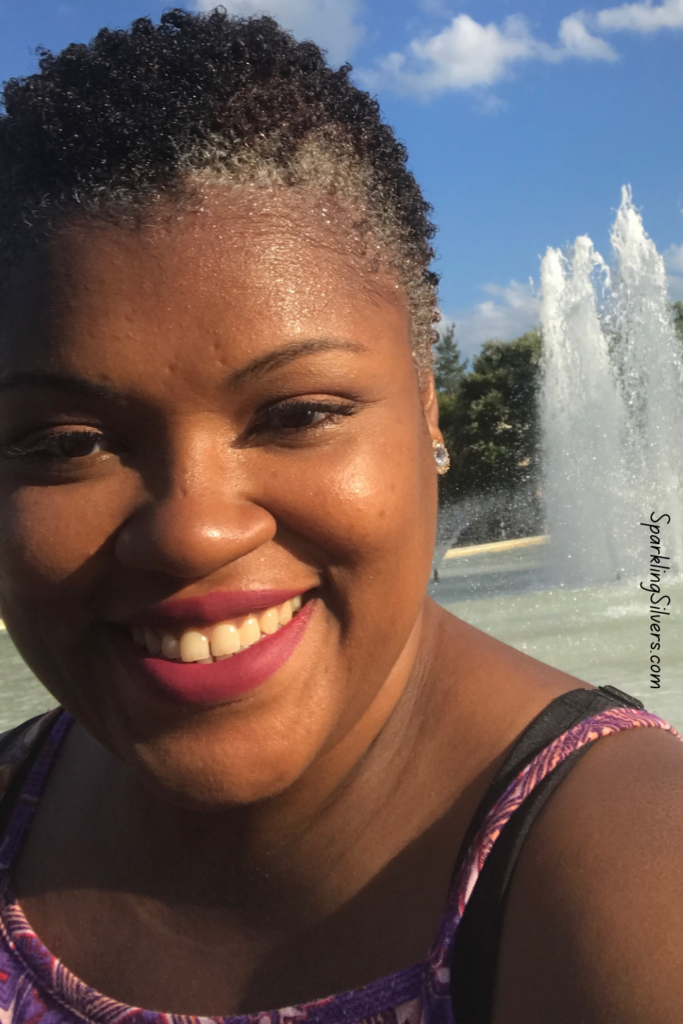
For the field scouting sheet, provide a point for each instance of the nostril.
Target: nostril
(192, 537)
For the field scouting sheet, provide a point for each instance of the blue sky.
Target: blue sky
(523, 118)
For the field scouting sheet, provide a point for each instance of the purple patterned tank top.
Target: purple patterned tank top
(36, 988)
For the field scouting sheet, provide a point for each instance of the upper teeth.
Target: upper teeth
(219, 641)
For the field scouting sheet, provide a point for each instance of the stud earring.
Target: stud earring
(441, 457)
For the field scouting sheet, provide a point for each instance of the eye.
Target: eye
(302, 415)
(61, 445)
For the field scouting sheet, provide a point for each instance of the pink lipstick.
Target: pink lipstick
(228, 679)
(210, 608)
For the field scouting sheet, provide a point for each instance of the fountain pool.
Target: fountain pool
(597, 633)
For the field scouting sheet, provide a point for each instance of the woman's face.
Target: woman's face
(220, 407)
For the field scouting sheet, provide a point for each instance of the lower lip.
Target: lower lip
(227, 680)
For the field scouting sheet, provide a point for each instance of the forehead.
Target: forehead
(237, 268)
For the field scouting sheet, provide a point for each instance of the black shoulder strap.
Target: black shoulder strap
(475, 947)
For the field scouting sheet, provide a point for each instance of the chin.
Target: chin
(209, 766)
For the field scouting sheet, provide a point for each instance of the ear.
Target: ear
(430, 404)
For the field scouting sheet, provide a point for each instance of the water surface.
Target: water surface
(600, 634)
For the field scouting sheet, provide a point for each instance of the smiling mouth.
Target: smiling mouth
(219, 641)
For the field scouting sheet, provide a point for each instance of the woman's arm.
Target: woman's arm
(593, 931)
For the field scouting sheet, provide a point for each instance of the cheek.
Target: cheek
(379, 498)
(363, 502)
(51, 537)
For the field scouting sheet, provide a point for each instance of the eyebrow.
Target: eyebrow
(258, 367)
(56, 381)
(280, 357)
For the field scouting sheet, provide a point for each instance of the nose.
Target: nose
(193, 530)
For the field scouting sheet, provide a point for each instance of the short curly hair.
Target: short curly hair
(137, 116)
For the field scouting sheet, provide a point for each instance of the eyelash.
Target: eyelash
(330, 410)
(45, 445)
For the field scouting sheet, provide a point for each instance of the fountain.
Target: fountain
(612, 418)
(611, 406)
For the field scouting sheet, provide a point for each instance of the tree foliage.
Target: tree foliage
(490, 419)
(677, 310)
(450, 367)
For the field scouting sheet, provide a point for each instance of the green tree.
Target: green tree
(491, 422)
(450, 367)
(677, 310)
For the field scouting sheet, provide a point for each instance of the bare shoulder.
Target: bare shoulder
(594, 924)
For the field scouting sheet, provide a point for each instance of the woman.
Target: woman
(218, 486)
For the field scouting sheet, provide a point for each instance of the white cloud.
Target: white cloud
(673, 258)
(510, 312)
(332, 24)
(577, 41)
(641, 17)
(466, 55)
